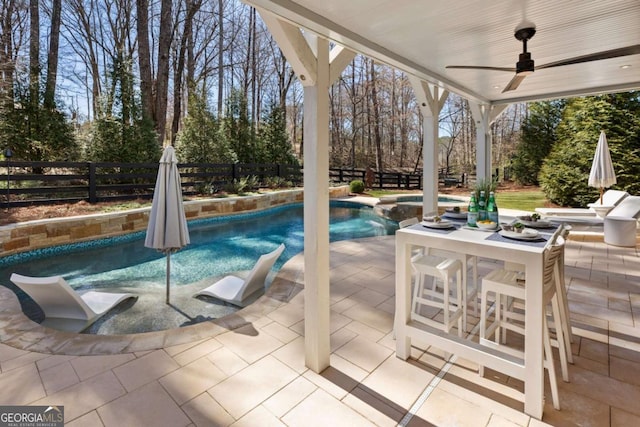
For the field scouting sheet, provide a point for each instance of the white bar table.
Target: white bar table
(481, 244)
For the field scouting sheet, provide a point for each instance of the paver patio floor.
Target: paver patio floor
(250, 371)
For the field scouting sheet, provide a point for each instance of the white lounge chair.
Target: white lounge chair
(65, 309)
(621, 225)
(236, 290)
(610, 199)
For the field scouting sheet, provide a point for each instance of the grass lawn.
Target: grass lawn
(524, 199)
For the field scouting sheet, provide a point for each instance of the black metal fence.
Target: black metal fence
(39, 183)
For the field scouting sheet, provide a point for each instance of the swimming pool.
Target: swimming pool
(219, 246)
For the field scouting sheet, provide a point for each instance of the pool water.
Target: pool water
(219, 246)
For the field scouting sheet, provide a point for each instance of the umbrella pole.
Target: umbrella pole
(601, 191)
(168, 273)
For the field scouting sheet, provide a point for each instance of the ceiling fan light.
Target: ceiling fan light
(625, 66)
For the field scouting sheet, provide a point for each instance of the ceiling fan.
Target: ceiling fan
(525, 64)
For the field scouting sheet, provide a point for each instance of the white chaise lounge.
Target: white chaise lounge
(238, 291)
(610, 199)
(621, 224)
(65, 309)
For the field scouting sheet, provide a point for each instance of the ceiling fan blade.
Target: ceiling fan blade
(515, 82)
(607, 54)
(473, 67)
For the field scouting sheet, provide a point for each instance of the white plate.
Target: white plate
(541, 223)
(527, 234)
(455, 215)
(441, 224)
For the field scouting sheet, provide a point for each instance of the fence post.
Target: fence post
(93, 196)
(234, 172)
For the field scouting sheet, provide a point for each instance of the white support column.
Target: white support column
(316, 215)
(431, 101)
(317, 67)
(484, 115)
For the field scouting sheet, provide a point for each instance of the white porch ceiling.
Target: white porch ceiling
(422, 37)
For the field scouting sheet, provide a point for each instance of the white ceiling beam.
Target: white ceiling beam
(339, 58)
(294, 46)
(426, 96)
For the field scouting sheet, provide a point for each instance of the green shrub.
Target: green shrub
(357, 186)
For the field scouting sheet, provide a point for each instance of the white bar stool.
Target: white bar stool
(508, 286)
(452, 305)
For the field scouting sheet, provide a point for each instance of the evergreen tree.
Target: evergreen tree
(236, 128)
(538, 135)
(275, 146)
(36, 133)
(564, 175)
(200, 140)
(123, 134)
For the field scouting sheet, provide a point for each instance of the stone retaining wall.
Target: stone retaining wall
(26, 236)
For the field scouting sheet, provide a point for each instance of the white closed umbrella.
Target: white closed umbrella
(602, 174)
(167, 230)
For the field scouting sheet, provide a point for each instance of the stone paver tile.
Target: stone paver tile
(624, 370)
(620, 418)
(364, 353)
(149, 405)
(21, 386)
(399, 381)
(292, 355)
(259, 416)
(369, 297)
(7, 352)
(462, 382)
(602, 313)
(21, 360)
(227, 361)
(344, 304)
(347, 368)
(498, 421)
(282, 333)
(58, 377)
(53, 361)
(92, 419)
(371, 316)
(321, 409)
(374, 407)
(88, 366)
(337, 321)
(265, 377)
(620, 304)
(340, 338)
(443, 408)
(365, 331)
(289, 396)
(197, 351)
(189, 381)
(602, 389)
(287, 315)
(576, 410)
(141, 371)
(204, 411)
(594, 350)
(248, 343)
(176, 349)
(86, 396)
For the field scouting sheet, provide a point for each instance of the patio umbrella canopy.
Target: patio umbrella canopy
(602, 174)
(167, 229)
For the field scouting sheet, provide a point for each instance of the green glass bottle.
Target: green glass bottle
(492, 208)
(482, 207)
(472, 215)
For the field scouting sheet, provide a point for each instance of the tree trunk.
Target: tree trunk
(220, 56)
(7, 62)
(162, 80)
(52, 57)
(376, 118)
(144, 59)
(34, 53)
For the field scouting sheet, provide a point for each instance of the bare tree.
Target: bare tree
(52, 55)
